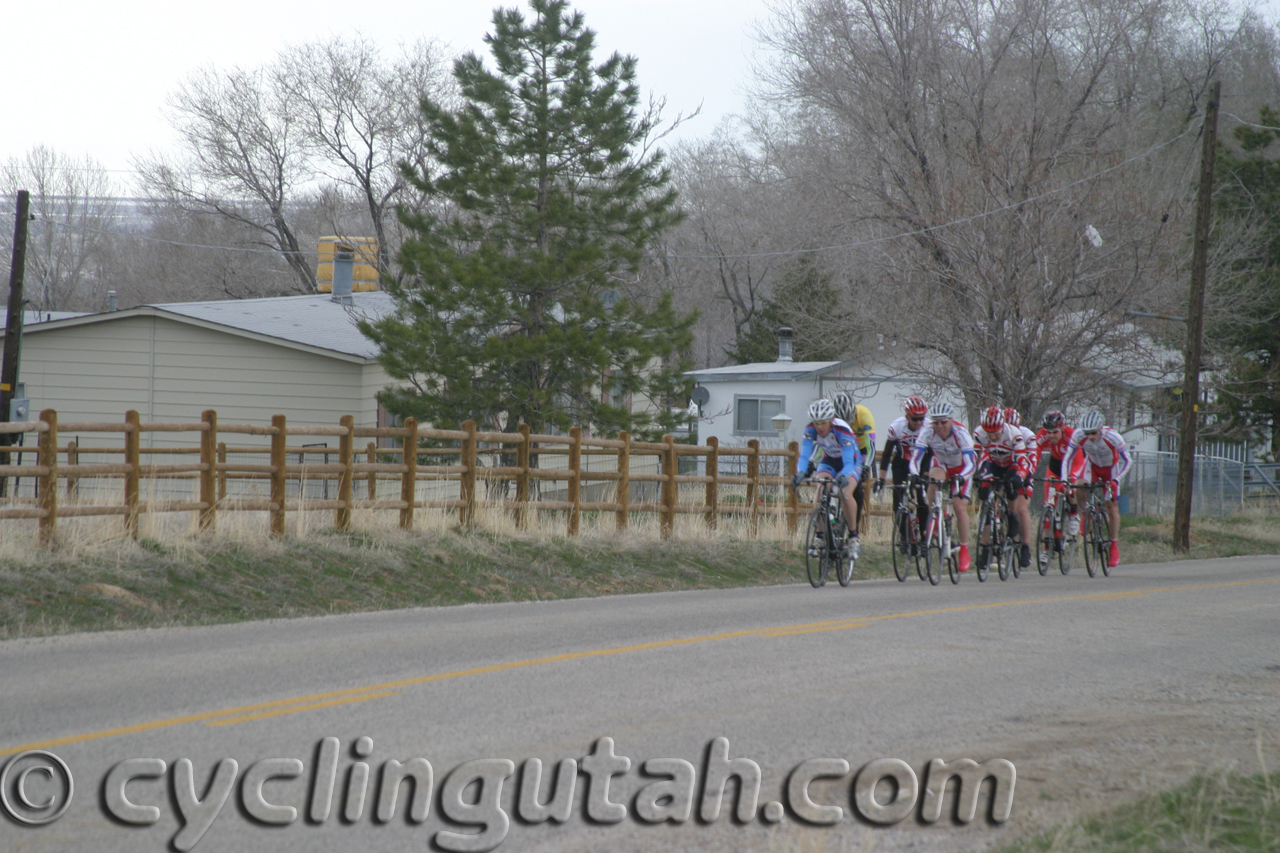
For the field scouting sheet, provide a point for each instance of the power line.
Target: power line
(954, 222)
(786, 253)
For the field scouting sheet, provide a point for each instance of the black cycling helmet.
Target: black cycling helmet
(1053, 419)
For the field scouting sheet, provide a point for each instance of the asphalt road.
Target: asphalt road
(1094, 689)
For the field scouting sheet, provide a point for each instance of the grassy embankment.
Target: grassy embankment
(1224, 812)
(99, 581)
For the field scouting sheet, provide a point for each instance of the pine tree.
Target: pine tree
(1249, 189)
(540, 199)
(804, 294)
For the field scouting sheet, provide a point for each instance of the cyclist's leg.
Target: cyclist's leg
(850, 499)
(825, 471)
(984, 478)
(960, 507)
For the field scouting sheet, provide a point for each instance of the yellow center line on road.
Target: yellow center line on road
(313, 706)
(319, 700)
(791, 632)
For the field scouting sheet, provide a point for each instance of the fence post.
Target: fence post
(132, 443)
(47, 457)
(342, 517)
(73, 457)
(278, 462)
(222, 474)
(372, 450)
(523, 455)
(575, 477)
(670, 467)
(793, 495)
(409, 482)
(713, 485)
(467, 480)
(753, 486)
(622, 497)
(209, 474)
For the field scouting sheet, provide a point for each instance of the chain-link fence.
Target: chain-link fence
(1220, 486)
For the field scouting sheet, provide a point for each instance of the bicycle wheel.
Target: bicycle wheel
(987, 531)
(844, 566)
(1090, 544)
(817, 550)
(1104, 545)
(933, 555)
(953, 564)
(899, 546)
(1000, 551)
(1012, 557)
(1044, 551)
(915, 541)
(1067, 555)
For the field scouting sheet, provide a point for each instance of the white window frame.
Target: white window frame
(768, 431)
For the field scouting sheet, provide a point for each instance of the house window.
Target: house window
(754, 415)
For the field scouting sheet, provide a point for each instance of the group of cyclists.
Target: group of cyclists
(1001, 452)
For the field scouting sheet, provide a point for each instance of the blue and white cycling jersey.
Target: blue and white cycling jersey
(839, 448)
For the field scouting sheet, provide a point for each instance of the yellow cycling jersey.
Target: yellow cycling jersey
(863, 424)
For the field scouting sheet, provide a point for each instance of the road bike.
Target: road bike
(905, 542)
(827, 539)
(994, 542)
(937, 538)
(1054, 521)
(1095, 530)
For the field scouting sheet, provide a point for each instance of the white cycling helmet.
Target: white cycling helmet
(821, 409)
(1090, 421)
(941, 411)
(844, 405)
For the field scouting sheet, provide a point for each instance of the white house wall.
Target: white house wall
(884, 399)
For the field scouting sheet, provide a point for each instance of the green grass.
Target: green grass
(1210, 813)
(89, 585)
(153, 583)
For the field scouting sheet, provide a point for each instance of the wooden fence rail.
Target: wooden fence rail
(462, 463)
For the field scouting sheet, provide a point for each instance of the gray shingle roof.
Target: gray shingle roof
(315, 320)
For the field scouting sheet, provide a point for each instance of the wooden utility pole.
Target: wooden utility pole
(13, 324)
(1195, 329)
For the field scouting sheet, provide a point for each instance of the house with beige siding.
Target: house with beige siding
(300, 356)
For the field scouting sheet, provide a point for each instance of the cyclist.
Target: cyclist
(899, 444)
(863, 424)
(1054, 436)
(1004, 463)
(840, 459)
(1108, 456)
(953, 456)
(1014, 419)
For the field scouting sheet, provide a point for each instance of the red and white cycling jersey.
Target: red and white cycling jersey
(1058, 449)
(1033, 451)
(953, 452)
(1006, 448)
(900, 442)
(1104, 450)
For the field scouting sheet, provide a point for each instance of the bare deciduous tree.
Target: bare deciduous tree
(1008, 177)
(69, 239)
(362, 120)
(324, 127)
(245, 159)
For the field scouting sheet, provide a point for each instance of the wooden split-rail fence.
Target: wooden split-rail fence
(53, 476)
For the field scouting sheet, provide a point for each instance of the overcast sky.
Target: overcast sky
(92, 77)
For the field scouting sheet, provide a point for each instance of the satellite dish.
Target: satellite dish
(700, 395)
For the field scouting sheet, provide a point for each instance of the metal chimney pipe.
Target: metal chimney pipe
(111, 301)
(343, 273)
(784, 344)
